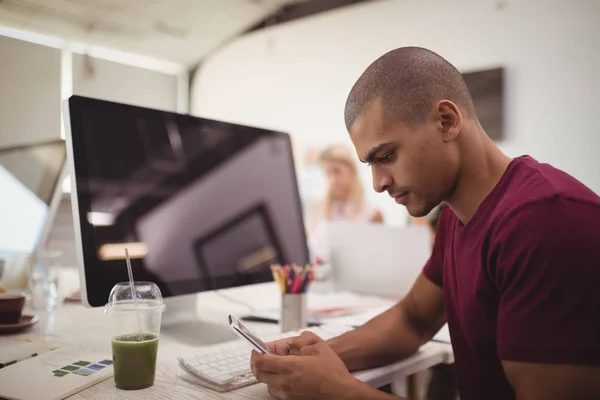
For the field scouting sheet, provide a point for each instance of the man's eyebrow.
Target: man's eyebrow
(373, 152)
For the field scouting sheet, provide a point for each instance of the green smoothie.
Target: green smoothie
(134, 358)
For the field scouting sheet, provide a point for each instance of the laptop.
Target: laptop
(375, 259)
(30, 177)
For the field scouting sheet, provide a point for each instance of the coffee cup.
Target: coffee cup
(11, 307)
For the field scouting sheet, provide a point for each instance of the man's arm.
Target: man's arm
(532, 381)
(546, 272)
(396, 334)
(313, 369)
(362, 391)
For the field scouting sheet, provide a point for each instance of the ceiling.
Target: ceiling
(180, 31)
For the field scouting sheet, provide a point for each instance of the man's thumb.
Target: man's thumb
(309, 350)
(305, 339)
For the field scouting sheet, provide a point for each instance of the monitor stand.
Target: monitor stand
(182, 323)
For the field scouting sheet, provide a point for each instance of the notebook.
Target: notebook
(57, 374)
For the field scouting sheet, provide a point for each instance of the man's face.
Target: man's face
(417, 167)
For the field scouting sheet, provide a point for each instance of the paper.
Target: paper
(339, 308)
(57, 374)
(358, 318)
(443, 335)
(23, 347)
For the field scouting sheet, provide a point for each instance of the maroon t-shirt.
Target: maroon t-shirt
(521, 279)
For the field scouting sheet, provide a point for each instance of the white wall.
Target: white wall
(295, 77)
(29, 93)
(107, 80)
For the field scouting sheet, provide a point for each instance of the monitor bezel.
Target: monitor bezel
(81, 204)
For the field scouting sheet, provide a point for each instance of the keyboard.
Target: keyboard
(226, 366)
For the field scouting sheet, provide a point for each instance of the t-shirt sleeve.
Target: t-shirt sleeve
(545, 261)
(434, 267)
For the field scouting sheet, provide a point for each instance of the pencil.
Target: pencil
(276, 271)
(287, 278)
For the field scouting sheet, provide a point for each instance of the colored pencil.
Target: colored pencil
(292, 279)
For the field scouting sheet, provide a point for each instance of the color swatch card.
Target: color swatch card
(57, 374)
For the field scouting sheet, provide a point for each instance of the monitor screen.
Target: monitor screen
(199, 204)
(29, 176)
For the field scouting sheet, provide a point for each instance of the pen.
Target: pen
(297, 283)
(6, 364)
(305, 278)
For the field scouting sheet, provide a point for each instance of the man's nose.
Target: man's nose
(382, 180)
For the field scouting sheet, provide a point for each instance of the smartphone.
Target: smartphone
(246, 334)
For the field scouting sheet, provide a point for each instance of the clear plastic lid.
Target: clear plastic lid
(147, 297)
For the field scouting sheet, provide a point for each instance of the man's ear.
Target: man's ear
(449, 119)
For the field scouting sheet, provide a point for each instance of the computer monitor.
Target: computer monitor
(200, 204)
(30, 182)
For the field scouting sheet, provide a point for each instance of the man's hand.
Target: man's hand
(293, 345)
(316, 373)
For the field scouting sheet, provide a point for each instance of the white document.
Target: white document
(338, 308)
(57, 374)
(22, 347)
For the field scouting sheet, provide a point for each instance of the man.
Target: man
(515, 269)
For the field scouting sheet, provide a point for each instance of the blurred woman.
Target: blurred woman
(344, 201)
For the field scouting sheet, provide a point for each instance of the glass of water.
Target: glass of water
(43, 281)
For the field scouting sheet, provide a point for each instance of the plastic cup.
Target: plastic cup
(135, 333)
(43, 276)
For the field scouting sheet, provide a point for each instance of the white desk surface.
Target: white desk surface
(75, 324)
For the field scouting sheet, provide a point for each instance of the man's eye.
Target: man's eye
(386, 158)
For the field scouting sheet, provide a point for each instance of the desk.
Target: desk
(75, 324)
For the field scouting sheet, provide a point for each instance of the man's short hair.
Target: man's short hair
(408, 81)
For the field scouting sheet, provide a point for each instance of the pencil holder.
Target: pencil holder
(293, 312)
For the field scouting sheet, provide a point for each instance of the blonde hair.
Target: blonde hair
(341, 154)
